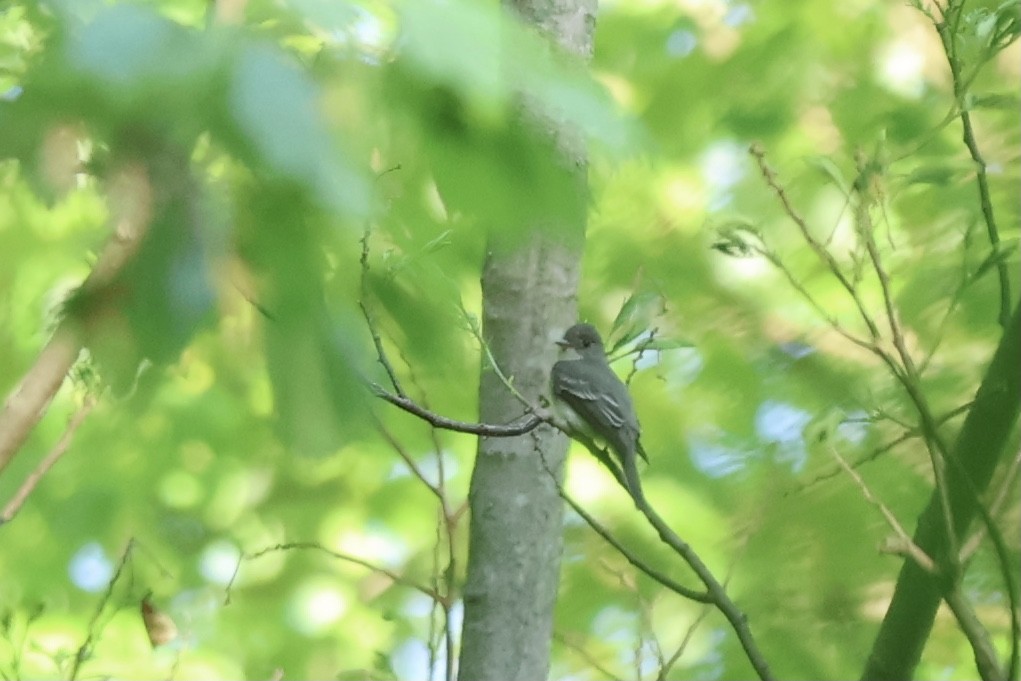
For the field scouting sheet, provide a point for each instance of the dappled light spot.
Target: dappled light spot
(218, 561)
(900, 68)
(587, 480)
(782, 425)
(796, 349)
(681, 43)
(724, 164)
(411, 661)
(315, 606)
(716, 460)
(90, 568)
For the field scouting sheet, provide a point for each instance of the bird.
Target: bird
(594, 402)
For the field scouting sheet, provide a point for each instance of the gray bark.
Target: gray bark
(516, 522)
(528, 286)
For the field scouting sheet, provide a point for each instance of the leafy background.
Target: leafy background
(311, 126)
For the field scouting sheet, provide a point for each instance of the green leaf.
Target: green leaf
(1002, 101)
(506, 59)
(940, 175)
(130, 62)
(635, 317)
(827, 167)
(662, 343)
(274, 106)
(1005, 251)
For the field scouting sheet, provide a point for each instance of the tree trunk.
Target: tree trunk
(528, 288)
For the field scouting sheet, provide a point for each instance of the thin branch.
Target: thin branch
(1008, 485)
(947, 35)
(937, 449)
(820, 251)
(364, 286)
(774, 259)
(85, 650)
(908, 434)
(29, 400)
(912, 549)
(638, 563)
(316, 546)
(59, 449)
(978, 636)
(585, 655)
(1006, 570)
(689, 634)
(966, 279)
(380, 353)
(528, 423)
(406, 458)
(401, 399)
(683, 645)
(473, 326)
(717, 593)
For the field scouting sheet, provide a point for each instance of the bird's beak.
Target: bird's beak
(563, 343)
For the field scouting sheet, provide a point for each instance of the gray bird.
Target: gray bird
(594, 402)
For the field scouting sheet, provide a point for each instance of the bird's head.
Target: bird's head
(582, 338)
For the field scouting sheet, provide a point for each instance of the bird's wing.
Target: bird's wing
(594, 407)
(610, 414)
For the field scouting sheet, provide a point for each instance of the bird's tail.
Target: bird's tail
(641, 451)
(631, 478)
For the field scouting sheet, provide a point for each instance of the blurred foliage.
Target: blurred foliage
(259, 154)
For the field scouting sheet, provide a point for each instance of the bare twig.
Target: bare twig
(59, 449)
(1008, 485)
(406, 457)
(529, 421)
(912, 549)
(639, 352)
(978, 636)
(774, 259)
(669, 663)
(364, 286)
(400, 398)
(909, 433)
(380, 353)
(715, 592)
(817, 247)
(473, 326)
(682, 646)
(638, 563)
(589, 659)
(907, 374)
(92, 630)
(947, 34)
(29, 400)
(316, 546)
